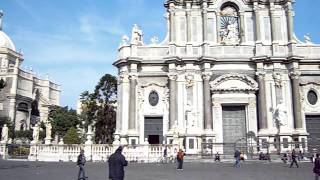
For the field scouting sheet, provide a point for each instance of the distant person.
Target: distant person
(294, 159)
(81, 161)
(300, 156)
(180, 157)
(165, 154)
(316, 168)
(284, 158)
(237, 154)
(116, 165)
(217, 157)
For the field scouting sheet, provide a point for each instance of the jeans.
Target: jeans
(81, 174)
(316, 176)
(294, 161)
(237, 163)
(180, 164)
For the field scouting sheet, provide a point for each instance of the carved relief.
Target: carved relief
(295, 74)
(189, 80)
(248, 84)
(277, 79)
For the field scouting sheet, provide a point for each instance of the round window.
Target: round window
(153, 98)
(312, 97)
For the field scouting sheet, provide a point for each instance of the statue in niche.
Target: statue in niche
(189, 81)
(229, 28)
(231, 34)
(280, 114)
(277, 79)
(190, 115)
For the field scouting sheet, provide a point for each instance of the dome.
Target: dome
(6, 42)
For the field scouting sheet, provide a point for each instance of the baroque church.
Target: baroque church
(25, 99)
(227, 69)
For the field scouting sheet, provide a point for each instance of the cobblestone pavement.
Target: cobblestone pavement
(14, 170)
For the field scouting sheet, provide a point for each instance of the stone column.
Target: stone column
(242, 30)
(296, 99)
(207, 102)
(218, 27)
(205, 24)
(262, 104)
(273, 25)
(290, 15)
(132, 102)
(173, 100)
(257, 18)
(172, 23)
(189, 27)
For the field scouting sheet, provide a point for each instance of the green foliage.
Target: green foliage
(72, 137)
(27, 134)
(2, 84)
(62, 119)
(98, 109)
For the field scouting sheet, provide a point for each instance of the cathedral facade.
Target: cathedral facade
(25, 99)
(227, 70)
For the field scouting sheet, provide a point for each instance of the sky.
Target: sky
(76, 41)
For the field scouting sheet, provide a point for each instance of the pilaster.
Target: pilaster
(207, 102)
(296, 98)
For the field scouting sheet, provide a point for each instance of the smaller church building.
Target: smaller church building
(26, 99)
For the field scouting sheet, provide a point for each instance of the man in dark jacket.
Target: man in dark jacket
(237, 154)
(116, 163)
(316, 168)
(81, 162)
(294, 159)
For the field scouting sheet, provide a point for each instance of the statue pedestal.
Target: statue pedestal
(47, 141)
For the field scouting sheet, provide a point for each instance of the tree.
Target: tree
(62, 119)
(98, 108)
(2, 84)
(72, 137)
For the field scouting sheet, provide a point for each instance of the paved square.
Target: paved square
(13, 170)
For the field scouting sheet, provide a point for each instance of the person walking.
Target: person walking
(217, 157)
(316, 168)
(294, 159)
(116, 165)
(180, 157)
(237, 154)
(81, 161)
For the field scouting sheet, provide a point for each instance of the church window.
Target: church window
(23, 107)
(153, 98)
(229, 25)
(312, 97)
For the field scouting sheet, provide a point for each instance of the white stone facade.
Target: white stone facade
(217, 54)
(26, 99)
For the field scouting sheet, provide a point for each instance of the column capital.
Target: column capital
(295, 74)
(206, 75)
(261, 75)
(133, 76)
(123, 78)
(173, 76)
